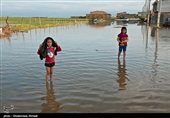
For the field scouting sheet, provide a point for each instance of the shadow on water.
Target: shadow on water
(51, 105)
(122, 75)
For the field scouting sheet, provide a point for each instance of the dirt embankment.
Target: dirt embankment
(6, 30)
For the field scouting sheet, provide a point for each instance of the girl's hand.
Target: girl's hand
(56, 43)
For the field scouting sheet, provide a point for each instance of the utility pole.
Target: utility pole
(159, 13)
(148, 20)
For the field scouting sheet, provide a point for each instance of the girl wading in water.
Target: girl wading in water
(122, 38)
(48, 50)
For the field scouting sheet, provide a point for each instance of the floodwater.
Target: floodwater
(88, 77)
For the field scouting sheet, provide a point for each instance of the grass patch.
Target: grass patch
(27, 23)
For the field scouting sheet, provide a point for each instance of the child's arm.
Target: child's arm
(118, 39)
(127, 39)
(58, 47)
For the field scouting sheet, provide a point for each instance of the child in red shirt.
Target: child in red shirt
(122, 39)
(50, 56)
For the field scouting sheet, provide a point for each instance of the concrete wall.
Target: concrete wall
(165, 6)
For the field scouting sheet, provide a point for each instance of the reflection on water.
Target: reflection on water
(145, 33)
(100, 24)
(121, 23)
(122, 75)
(155, 63)
(156, 44)
(153, 32)
(51, 105)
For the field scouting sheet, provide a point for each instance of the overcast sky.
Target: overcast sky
(67, 8)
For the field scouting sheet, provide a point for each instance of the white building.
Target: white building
(164, 10)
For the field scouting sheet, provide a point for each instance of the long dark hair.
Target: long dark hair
(47, 39)
(53, 44)
(123, 28)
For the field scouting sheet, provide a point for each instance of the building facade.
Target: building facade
(98, 15)
(127, 15)
(164, 11)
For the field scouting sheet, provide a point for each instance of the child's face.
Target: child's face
(49, 43)
(124, 31)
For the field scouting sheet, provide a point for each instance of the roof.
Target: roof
(98, 12)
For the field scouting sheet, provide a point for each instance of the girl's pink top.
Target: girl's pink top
(123, 37)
